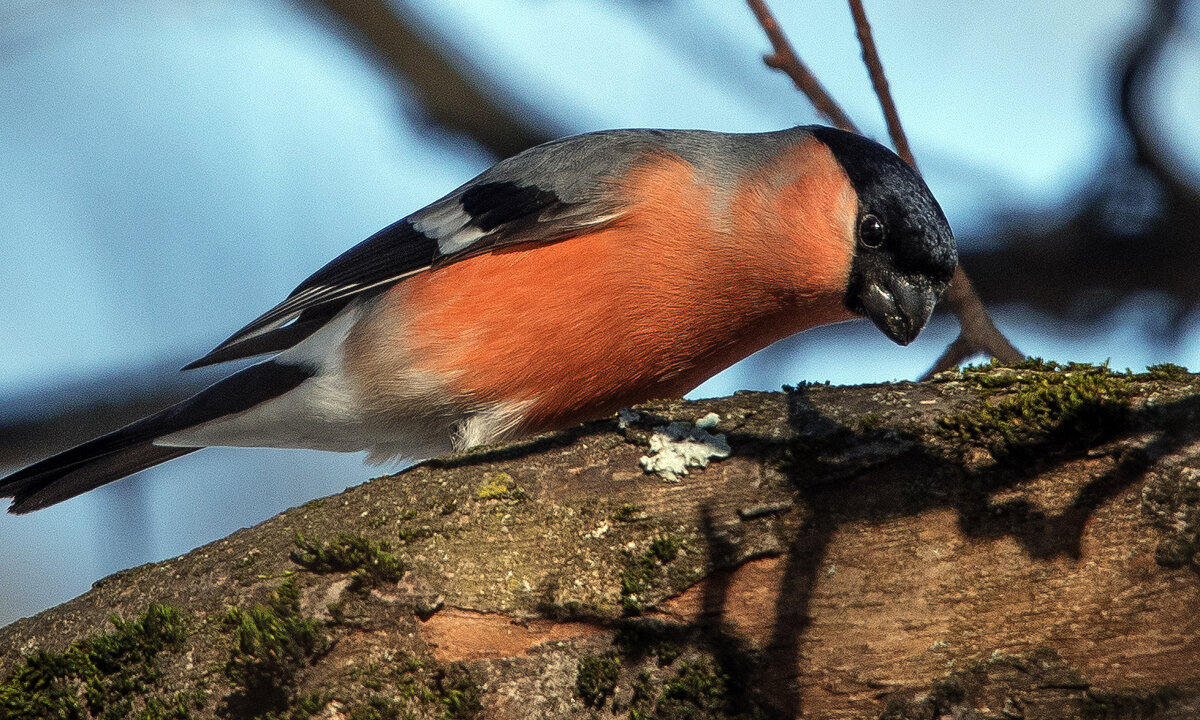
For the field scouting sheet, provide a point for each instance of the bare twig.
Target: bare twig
(454, 97)
(1142, 58)
(785, 60)
(879, 81)
(977, 334)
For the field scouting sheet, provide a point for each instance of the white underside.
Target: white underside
(325, 413)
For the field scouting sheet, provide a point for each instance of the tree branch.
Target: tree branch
(978, 334)
(785, 60)
(886, 571)
(452, 99)
(879, 82)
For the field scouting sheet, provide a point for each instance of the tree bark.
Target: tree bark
(997, 543)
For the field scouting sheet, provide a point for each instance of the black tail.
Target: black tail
(131, 449)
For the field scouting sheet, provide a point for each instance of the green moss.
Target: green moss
(272, 642)
(337, 611)
(369, 563)
(643, 572)
(247, 560)
(99, 677)
(1167, 371)
(404, 686)
(636, 638)
(628, 513)
(400, 687)
(666, 549)
(696, 683)
(641, 701)
(1037, 364)
(377, 708)
(596, 678)
(1073, 406)
(410, 683)
(370, 677)
(696, 690)
(407, 535)
(493, 488)
(995, 375)
(305, 706)
(870, 421)
(178, 707)
(460, 696)
(311, 703)
(501, 486)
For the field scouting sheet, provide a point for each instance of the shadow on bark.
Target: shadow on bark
(766, 679)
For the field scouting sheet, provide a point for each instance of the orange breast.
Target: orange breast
(693, 279)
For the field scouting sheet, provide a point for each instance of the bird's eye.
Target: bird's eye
(871, 231)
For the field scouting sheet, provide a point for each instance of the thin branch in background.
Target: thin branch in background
(785, 60)
(1142, 58)
(977, 333)
(879, 81)
(455, 97)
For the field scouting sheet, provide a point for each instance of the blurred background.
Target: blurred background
(170, 170)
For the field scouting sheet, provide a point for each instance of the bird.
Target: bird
(573, 279)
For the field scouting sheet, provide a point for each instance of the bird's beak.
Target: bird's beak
(899, 306)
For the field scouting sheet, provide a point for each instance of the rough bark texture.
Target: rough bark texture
(999, 543)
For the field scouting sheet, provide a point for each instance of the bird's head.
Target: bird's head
(904, 251)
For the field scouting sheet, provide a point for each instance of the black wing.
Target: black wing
(384, 258)
(478, 218)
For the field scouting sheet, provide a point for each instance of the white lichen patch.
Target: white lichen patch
(679, 446)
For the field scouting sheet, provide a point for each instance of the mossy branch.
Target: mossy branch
(1004, 534)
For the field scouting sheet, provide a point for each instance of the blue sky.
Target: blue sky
(171, 170)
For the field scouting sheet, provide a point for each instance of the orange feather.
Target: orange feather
(694, 278)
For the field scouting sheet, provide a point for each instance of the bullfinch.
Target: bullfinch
(573, 279)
